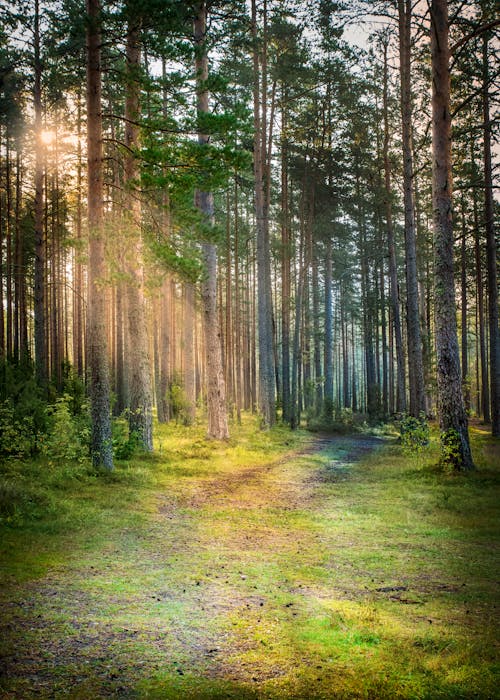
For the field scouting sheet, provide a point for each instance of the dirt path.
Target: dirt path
(204, 595)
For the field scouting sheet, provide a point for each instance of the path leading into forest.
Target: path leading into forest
(241, 586)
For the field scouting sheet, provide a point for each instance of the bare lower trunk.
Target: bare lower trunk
(102, 454)
(452, 416)
(189, 375)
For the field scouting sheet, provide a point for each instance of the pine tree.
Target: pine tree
(97, 349)
(452, 416)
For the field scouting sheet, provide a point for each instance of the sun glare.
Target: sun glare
(46, 137)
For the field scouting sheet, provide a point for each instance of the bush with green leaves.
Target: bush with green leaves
(178, 401)
(125, 443)
(68, 437)
(450, 449)
(23, 411)
(415, 433)
(16, 434)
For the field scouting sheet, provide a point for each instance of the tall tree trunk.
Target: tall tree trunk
(385, 397)
(328, 400)
(285, 272)
(295, 387)
(463, 311)
(8, 250)
(140, 415)
(485, 390)
(2, 313)
(393, 275)
(39, 278)
(189, 374)
(415, 360)
(78, 272)
(165, 355)
(264, 301)
(216, 390)
(452, 416)
(491, 253)
(318, 400)
(102, 454)
(20, 274)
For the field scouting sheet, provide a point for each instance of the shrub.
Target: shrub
(66, 438)
(178, 401)
(23, 411)
(16, 435)
(450, 449)
(125, 443)
(415, 433)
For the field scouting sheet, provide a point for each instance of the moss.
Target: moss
(249, 570)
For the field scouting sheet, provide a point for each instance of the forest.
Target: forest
(235, 238)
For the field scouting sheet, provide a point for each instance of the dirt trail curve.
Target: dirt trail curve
(211, 578)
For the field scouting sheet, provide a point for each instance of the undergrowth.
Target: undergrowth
(202, 572)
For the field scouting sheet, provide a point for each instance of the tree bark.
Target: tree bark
(393, 274)
(216, 390)
(328, 361)
(415, 359)
(485, 390)
(264, 301)
(102, 454)
(140, 414)
(285, 272)
(452, 416)
(39, 277)
(491, 254)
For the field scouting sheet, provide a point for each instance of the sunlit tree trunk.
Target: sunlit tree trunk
(216, 391)
(78, 323)
(237, 306)
(452, 416)
(140, 415)
(101, 447)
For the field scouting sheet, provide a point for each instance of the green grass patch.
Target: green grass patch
(246, 570)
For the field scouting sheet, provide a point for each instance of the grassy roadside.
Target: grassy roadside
(202, 573)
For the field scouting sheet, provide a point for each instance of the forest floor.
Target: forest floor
(274, 566)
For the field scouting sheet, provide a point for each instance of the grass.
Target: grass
(253, 569)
